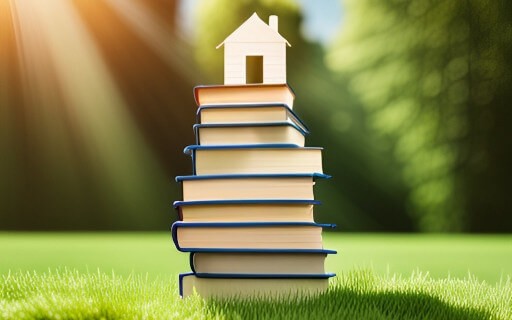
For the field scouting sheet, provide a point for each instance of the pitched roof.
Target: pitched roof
(254, 30)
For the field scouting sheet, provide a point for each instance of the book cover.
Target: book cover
(255, 235)
(256, 158)
(249, 112)
(246, 210)
(262, 261)
(252, 285)
(244, 93)
(249, 186)
(249, 133)
(314, 175)
(178, 204)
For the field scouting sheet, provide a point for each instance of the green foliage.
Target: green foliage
(399, 68)
(359, 294)
(428, 74)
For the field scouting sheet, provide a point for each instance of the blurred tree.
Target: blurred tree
(434, 78)
(366, 192)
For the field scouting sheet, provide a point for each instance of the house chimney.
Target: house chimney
(272, 22)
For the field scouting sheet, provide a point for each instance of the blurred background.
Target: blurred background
(410, 99)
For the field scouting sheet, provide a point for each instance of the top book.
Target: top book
(244, 94)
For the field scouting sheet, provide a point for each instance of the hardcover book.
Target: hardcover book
(250, 286)
(249, 133)
(196, 236)
(244, 93)
(249, 186)
(250, 210)
(269, 158)
(248, 113)
(262, 262)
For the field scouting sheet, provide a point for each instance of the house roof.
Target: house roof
(254, 30)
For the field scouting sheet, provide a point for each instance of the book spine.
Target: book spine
(174, 234)
(180, 281)
(177, 224)
(264, 276)
(191, 262)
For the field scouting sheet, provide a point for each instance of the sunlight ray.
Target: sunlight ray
(151, 29)
(54, 41)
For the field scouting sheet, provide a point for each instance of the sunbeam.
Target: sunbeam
(73, 115)
(150, 28)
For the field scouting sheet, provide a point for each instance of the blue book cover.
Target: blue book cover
(179, 224)
(292, 115)
(178, 204)
(314, 175)
(197, 127)
(264, 276)
(251, 276)
(192, 149)
(261, 251)
(249, 86)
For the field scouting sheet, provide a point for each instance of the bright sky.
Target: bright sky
(322, 19)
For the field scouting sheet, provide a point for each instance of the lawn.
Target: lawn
(133, 275)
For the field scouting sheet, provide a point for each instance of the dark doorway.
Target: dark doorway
(254, 69)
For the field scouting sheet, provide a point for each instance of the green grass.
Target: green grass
(133, 275)
(488, 257)
(354, 295)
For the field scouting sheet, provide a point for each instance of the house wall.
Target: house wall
(274, 61)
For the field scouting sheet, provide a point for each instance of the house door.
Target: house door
(254, 69)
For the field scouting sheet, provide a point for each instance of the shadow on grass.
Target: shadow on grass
(343, 303)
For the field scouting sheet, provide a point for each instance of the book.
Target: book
(195, 236)
(250, 210)
(249, 186)
(248, 113)
(244, 287)
(249, 133)
(244, 93)
(265, 158)
(263, 263)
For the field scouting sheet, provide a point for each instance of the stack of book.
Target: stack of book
(247, 212)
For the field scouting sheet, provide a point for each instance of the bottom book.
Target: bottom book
(253, 285)
(259, 261)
